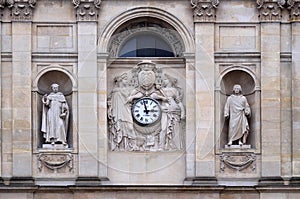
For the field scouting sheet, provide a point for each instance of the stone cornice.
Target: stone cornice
(270, 10)
(21, 10)
(87, 10)
(204, 10)
(294, 6)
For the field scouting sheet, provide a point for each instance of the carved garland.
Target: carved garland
(237, 162)
(21, 10)
(204, 10)
(270, 10)
(294, 6)
(55, 162)
(87, 10)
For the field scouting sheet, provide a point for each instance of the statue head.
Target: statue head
(237, 89)
(54, 87)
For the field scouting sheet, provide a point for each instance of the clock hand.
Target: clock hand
(146, 110)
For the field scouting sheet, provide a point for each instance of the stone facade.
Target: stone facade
(78, 44)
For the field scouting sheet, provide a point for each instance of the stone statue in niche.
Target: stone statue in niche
(55, 117)
(146, 113)
(122, 134)
(237, 110)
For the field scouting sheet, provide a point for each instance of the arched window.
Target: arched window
(146, 45)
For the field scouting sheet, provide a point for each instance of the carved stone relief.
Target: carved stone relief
(294, 6)
(168, 34)
(204, 10)
(145, 111)
(56, 163)
(21, 10)
(270, 10)
(245, 162)
(87, 10)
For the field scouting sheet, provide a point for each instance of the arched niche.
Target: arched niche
(42, 86)
(249, 84)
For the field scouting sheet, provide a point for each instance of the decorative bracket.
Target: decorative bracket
(237, 162)
(21, 10)
(87, 10)
(204, 10)
(294, 6)
(270, 10)
(55, 161)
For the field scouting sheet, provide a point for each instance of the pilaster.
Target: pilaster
(21, 16)
(1, 125)
(88, 158)
(270, 17)
(294, 6)
(204, 16)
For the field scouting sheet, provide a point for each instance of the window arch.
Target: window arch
(146, 37)
(146, 45)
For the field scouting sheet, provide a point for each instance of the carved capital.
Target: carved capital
(21, 10)
(294, 6)
(204, 10)
(87, 10)
(270, 10)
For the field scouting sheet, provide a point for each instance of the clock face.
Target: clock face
(146, 111)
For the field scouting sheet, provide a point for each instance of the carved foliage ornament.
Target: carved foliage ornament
(55, 161)
(294, 6)
(87, 10)
(21, 10)
(237, 162)
(270, 10)
(204, 10)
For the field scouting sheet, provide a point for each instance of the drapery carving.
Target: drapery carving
(21, 10)
(204, 10)
(55, 161)
(237, 162)
(87, 10)
(270, 10)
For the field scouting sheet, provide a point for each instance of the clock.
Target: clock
(146, 111)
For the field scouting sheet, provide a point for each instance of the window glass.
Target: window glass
(146, 45)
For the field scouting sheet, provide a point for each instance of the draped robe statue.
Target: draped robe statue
(55, 117)
(237, 110)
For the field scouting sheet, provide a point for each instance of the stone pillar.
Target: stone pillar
(190, 115)
(4, 133)
(270, 16)
(21, 16)
(17, 126)
(88, 157)
(204, 17)
(102, 116)
(295, 18)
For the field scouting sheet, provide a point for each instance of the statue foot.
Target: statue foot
(64, 143)
(229, 143)
(52, 143)
(240, 143)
